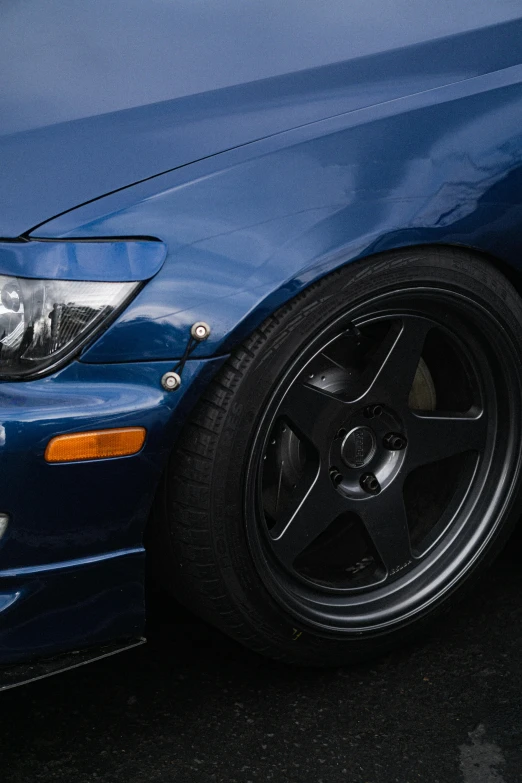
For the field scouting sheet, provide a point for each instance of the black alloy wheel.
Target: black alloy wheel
(359, 459)
(372, 463)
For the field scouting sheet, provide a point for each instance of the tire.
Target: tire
(355, 464)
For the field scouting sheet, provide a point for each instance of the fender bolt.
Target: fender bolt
(200, 331)
(171, 381)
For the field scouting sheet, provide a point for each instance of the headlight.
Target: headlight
(43, 322)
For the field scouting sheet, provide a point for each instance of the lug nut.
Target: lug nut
(373, 410)
(335, 476)
(370, 483)
(394, 441)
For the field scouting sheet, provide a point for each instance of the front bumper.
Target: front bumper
(72, 559)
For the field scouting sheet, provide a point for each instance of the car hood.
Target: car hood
(98, 96)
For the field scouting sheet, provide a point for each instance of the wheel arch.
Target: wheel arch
(384, 245)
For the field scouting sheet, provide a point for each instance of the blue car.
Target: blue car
(260, 319)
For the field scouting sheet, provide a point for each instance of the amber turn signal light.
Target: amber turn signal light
(98, 444)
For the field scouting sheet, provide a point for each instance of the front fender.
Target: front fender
(248, 229)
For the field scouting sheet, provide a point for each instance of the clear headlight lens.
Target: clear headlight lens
(42, 322)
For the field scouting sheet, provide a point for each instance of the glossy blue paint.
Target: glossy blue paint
(69, 608)
(102, 97)
(264, 145)
(249, 229)
(114, 261)
(72, 556)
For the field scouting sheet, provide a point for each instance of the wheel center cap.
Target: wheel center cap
(358, 447)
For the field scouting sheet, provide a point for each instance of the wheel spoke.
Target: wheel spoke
(317, 510)
(435, 437)
(312, 411)
(384, 517)
(389, 375)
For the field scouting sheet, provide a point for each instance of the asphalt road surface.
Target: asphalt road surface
(193, 706)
